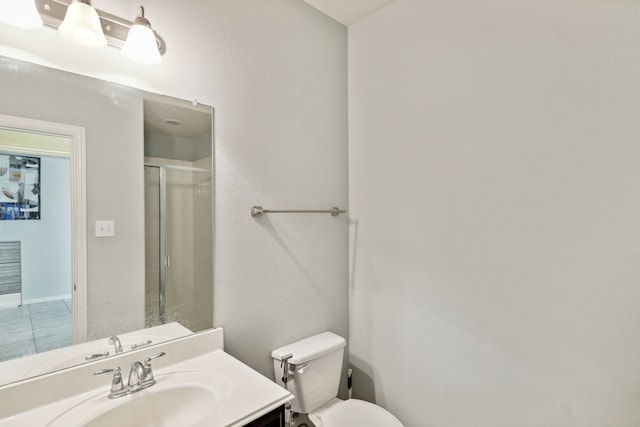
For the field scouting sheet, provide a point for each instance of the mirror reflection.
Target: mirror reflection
(178, 225)
(147, 190)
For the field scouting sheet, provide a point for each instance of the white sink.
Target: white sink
(188, 398)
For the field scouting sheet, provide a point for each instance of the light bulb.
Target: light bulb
(141, 45)
(82, 25)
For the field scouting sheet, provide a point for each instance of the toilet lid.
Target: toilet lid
(355, 412)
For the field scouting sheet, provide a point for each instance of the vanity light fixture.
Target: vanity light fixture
(81, 22)
(20, 13)
(82, 25)
(141, 45)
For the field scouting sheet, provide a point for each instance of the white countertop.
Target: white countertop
(250, 395)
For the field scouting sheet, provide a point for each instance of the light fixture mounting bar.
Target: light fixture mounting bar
(115, 29)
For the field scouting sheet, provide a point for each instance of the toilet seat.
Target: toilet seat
(354, 412)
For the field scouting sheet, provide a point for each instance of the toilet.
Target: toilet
(314, 366)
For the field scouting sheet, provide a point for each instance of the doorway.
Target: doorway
(42, 236)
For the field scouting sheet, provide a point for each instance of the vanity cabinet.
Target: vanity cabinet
(274, 418)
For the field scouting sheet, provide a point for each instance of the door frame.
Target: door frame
(77, 136)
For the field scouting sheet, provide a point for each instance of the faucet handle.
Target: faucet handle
(155, 356)
(116, 371)
(141, 344)
(116, 384)
(96, 355)
(147, 366)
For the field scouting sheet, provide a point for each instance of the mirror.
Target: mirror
(148, 162)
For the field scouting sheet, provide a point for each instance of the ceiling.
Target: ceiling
(348, 11)
(178, 121)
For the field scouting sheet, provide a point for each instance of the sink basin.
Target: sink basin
(189, 405)
(187, 398)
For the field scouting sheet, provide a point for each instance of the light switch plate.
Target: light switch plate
(105, 228)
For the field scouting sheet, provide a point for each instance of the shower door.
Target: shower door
(179, 246)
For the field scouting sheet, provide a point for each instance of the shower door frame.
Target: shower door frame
(163, 261)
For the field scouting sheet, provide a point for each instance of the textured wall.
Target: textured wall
(275, 72)
(500, 287)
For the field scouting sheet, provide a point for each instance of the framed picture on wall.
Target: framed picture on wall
(19, 187)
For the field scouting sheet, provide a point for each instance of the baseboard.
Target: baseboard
(10, 300)
(46, 299)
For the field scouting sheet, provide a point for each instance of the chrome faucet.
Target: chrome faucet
(143, 377)
(138, 369)
(116, 342)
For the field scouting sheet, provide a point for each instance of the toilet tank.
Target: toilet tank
(316, 365)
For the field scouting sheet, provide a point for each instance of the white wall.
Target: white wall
(46, 243)
(276, 74)
(494, 192)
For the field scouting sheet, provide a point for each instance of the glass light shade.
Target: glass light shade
(82, 25)
(20, 13)
(141, 45)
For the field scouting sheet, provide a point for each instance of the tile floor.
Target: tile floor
(34, 328)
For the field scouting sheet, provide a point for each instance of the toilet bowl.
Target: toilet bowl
(310, 369)
(353, 412)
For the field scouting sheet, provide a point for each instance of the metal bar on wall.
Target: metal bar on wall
(257, 211)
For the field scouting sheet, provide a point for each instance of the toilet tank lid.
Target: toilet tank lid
(310, 348)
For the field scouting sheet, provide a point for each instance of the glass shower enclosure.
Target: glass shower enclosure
(178, 176)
